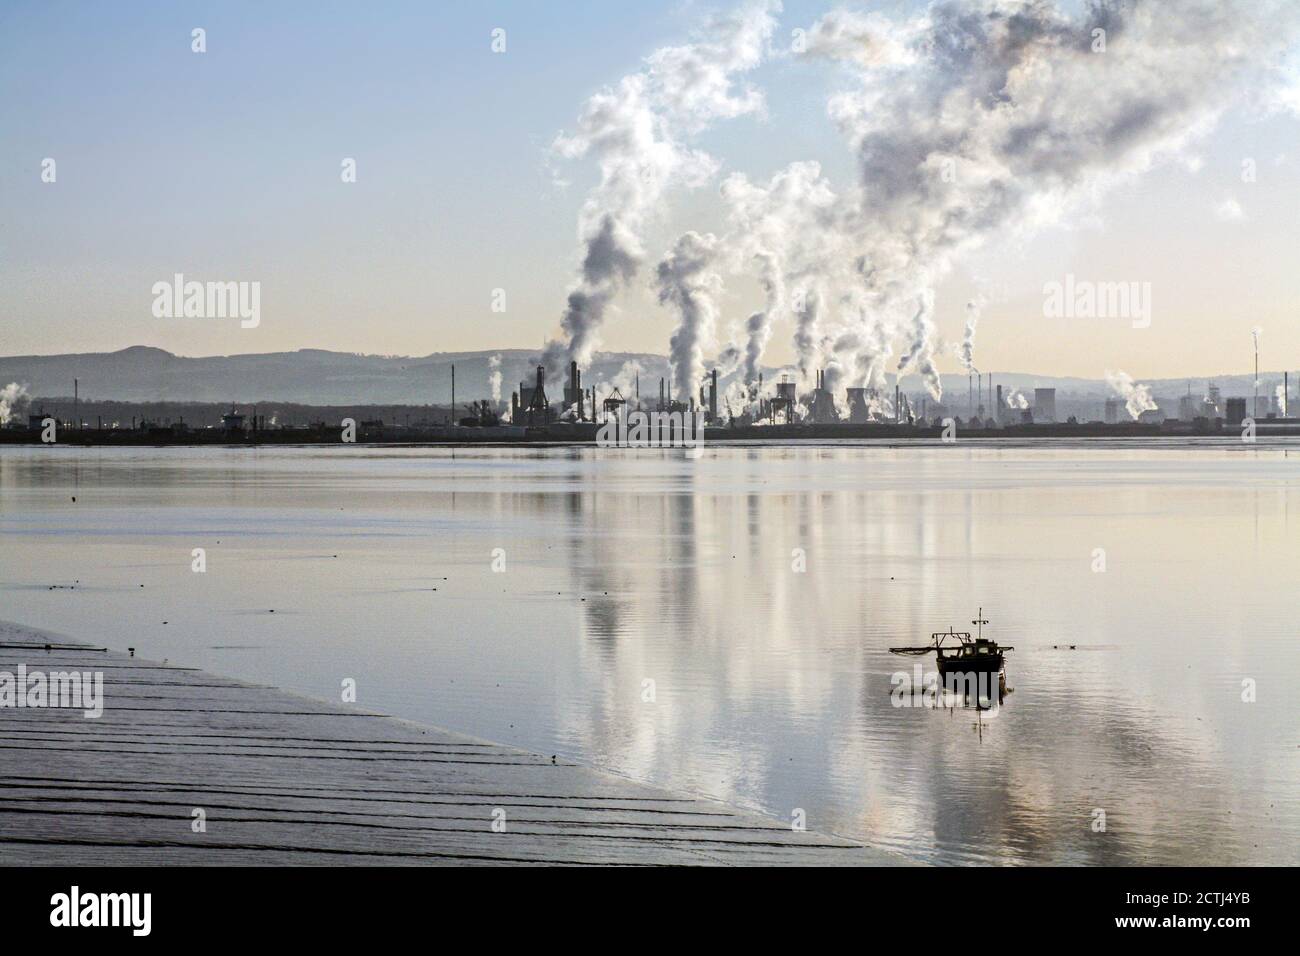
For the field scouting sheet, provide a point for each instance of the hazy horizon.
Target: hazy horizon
(1223, 375)
(225, 166)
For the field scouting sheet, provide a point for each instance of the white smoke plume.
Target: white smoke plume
(494, 377)
(869, 350)
(625, 379)
(735, 398)
(636, 131)
(920, 351)
(1015, 399)
(686, 280)
(1280, 396)
(807, 313)
(786, 229)
(969, 120)
(1137, 398)
(12, 397)
(758, 328)
(974, 118)
(729, 360)
(973, 309)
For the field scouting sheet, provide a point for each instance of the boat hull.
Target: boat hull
(977, 664)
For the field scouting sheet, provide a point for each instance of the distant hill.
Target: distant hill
(308, 376)
(318, 377)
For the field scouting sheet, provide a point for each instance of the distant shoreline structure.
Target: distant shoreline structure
(795, 407)
(586, 434)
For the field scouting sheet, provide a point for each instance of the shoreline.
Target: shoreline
(284, 779)
(1264, 438)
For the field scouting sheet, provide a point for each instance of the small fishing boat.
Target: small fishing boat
(959, 653)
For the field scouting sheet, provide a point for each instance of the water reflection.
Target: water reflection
(724, 625)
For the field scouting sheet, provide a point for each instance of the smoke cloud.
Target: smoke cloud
(494, 377)
(786, 229)
(625, 379)
(920, 351)
(637, 131)
(12, 397)
(973, 309)
(686, 281)
(1137, 398)
(805, 327)
(969, 120)
(976, 118)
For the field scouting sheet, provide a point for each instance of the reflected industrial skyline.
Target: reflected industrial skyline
(771, 685)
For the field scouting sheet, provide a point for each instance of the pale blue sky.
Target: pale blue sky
(225, 165)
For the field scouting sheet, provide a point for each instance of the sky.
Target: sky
(225, 166)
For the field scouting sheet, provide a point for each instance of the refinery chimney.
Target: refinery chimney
(574, 394)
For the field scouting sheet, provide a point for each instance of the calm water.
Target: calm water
(772, 688)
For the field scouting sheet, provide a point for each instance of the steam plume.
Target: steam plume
(973, 308)
(785, 228)
(920, 352)
(494, 377)
(1137, 398)
(976, 118)
(12, 397)
(687, 281)
(636, 131)
(626, 378)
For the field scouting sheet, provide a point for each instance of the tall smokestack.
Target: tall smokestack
(661, 393)
(453, 393)
(713, 396)
(574, 396)
(997, 409)
(1254, 337)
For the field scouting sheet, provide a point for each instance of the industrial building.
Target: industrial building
(529, 405)
(1236, 412)
(1045, 405)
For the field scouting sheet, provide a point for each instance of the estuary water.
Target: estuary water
(722, 625)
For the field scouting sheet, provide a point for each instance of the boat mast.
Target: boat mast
(980, 622)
